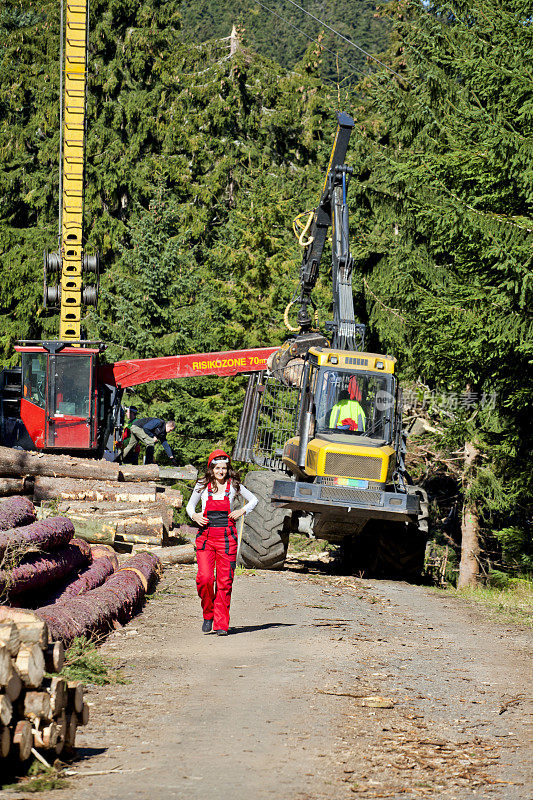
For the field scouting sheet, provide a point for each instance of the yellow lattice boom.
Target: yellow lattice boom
(73, 170)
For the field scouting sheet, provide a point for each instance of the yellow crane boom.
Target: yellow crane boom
(69, 264)
(73, 171)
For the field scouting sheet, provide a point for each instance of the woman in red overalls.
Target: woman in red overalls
(216, 541)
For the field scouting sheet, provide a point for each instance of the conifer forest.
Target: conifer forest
(201, 153)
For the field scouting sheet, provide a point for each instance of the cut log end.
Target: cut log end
(70, 734)
(54, 657)
(6, 709)
(30, 665)
(23, 739)
(75, 696)
(84, 716)
(5, 741)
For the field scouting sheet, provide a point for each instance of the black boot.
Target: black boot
(207, 626)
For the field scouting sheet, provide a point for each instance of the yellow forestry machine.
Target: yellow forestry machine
(325, 423)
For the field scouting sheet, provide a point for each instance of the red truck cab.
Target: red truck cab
(58, 404)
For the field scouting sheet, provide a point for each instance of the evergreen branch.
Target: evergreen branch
(387, 308)
(492, 215)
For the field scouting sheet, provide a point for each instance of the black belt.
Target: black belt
(218, 519)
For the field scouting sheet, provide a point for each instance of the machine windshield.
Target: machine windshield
(358, 404)
(72, 386)
(34, 378)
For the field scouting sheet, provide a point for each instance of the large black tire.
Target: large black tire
(265, 533)
(391, 549)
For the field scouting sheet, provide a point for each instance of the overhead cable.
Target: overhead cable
(345, 39)
(286, 21)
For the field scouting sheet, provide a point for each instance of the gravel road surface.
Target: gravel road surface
(330, 687)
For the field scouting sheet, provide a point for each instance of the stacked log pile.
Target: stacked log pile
(48, 565)
(115, 504)
(37, 558)
(37, 713)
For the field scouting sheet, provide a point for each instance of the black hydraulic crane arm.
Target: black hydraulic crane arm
(332, 210)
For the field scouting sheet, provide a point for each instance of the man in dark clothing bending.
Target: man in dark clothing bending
(148, 431)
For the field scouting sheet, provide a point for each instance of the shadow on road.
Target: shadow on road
(86, 753)
(338, 567)
(251, 628)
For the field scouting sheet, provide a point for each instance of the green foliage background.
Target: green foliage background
(197, 162)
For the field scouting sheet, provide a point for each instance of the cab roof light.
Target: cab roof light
(333, 360)
(380, 365)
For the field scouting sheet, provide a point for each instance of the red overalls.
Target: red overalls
(216, 544)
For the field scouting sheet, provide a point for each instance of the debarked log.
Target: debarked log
(94, 530)
(173, 497)
(138, 539)
(47, 488)
(21, 462)
(118, 599)
(108, 530)
(16, 511)
(180, 554)
(109, 510)
(46, 534)
(10, 486)
(40, 570)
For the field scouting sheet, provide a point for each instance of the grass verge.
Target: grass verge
(301, 545)
(38, 778)
(84, 663)
(240, 570)
(514, 601)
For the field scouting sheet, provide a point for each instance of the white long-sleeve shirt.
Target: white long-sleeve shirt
(202, 494)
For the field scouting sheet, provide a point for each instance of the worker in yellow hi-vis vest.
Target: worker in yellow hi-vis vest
(347, 412)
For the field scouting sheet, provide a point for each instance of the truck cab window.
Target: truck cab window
(34, 378)
(72, 386)
(359, 403)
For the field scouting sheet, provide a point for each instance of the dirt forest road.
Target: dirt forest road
(277, 709)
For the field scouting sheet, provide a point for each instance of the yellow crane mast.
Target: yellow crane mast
(73, 171)
(71, 261)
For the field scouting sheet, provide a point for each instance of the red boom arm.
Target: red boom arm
(144, 370)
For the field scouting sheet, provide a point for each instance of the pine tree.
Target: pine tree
(445, 223)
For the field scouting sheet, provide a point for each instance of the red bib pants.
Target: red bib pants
(216, 545)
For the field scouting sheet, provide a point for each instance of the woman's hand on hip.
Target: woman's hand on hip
(200, 519)
(234, 515)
